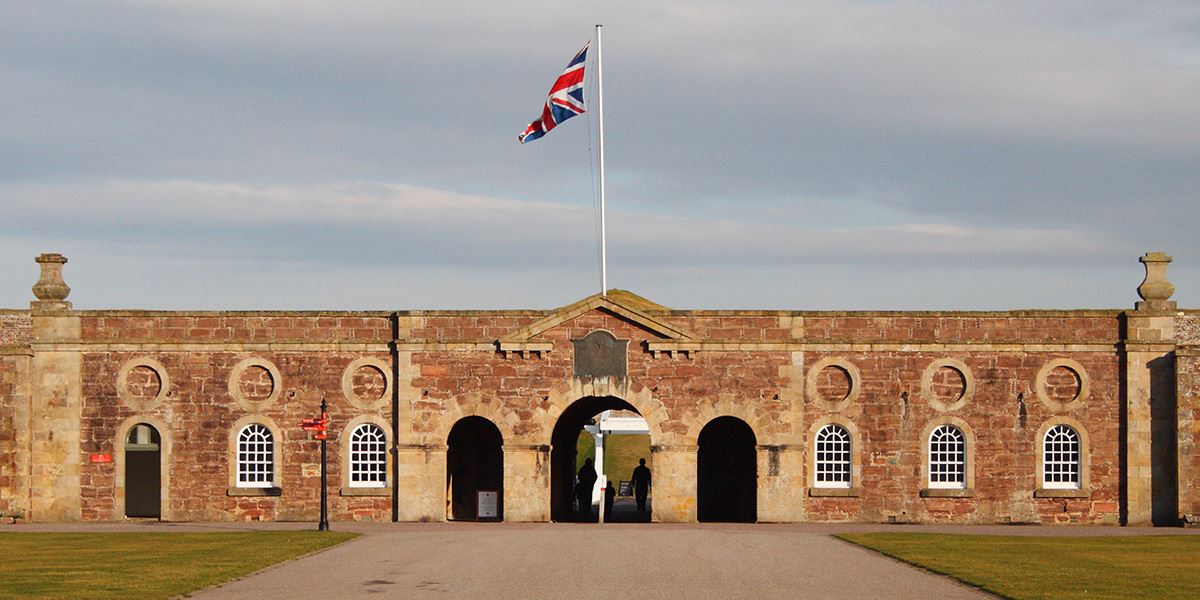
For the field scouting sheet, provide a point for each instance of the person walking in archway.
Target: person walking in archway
(641, 484)
(583, 488)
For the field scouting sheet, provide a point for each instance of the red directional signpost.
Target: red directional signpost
(320, 429)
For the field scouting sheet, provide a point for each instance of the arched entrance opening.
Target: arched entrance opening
(727, 472)
(143, 472)
(474, 471)
(564, 458)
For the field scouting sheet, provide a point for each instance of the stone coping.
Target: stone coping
(407, 345)
(819, 492)
(947, 493)
(348, 491)
(1016, 313)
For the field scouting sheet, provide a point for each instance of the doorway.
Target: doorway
(727, 472)
(475, 471)
(143, 472)
(570, 444)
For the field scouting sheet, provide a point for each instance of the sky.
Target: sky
(760, 154)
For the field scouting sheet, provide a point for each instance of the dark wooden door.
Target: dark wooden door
(143, 473)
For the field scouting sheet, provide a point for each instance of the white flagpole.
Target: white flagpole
(600, 118)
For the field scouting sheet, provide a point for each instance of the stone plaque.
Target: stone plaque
(600, 354)
(488, 504)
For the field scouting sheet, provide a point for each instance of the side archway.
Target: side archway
(474, 471)
(727, 472)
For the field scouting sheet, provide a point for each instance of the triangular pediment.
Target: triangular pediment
(625, 305)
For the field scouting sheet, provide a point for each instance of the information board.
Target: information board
(489, 504)
(625, 488)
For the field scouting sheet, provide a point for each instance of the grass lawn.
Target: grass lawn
(142, 565)
(621, 453)
(1053, 567)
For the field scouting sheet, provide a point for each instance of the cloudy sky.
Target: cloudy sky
(800, 154)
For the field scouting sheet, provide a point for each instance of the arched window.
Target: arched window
(255, 457)
(1060, 458)
(947, 458)
(368, 456)
(831, 468)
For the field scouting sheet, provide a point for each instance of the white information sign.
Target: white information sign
(489, 504)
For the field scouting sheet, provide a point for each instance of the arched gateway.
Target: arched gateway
(563, 451)
(474, 471)
(727, 472)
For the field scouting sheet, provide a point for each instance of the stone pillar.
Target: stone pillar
(421, 482)
(56, 398)
(674, 471)
(15, 429)
(526, 483)
(781, 483)
(1187, 377)
(1149, 347)
(597, 492)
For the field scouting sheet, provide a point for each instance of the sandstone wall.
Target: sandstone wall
(447, 365)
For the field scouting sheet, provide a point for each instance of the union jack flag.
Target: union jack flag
(565, 101)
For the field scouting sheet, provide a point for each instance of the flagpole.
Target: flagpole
(600, 119)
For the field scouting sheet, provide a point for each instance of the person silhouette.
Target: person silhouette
(641, 484)
(610, 496)
(583, 489)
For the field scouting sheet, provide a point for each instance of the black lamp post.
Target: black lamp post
(323, 525)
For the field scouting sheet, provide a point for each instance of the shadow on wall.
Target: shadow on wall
(1164, 487)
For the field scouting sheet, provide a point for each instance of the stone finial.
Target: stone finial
(1156, 288)
(50, 286)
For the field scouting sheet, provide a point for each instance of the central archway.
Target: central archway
(563, 451)
(727, 472)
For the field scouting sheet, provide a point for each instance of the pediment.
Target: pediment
(625, 305)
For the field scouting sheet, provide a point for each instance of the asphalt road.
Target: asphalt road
(507, 560)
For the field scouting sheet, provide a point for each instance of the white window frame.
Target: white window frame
(832, 458)
(368, 453)
(1062, 458)
(255, 457)
(947, 449)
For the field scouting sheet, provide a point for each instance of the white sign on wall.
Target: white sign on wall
(489, 504)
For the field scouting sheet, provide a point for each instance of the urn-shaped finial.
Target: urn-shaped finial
(1156, 287)
(50, 285)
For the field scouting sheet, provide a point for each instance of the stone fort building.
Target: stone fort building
(1027, 416)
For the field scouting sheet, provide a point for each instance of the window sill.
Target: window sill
(245, 491)
(1056, 493)
(365, 491)
(948, 493)
(820, 492)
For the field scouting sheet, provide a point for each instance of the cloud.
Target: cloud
(338, 222)
(741, 137)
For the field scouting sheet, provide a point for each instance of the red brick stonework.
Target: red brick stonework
(1003, 379)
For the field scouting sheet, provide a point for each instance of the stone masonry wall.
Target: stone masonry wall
(749, 364)
(1005, 416)
(1187, 374)
(11, 424)
(199, 414)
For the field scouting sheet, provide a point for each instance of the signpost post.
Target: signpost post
(320, 427)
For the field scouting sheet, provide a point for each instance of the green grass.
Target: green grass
(1052, 567)
(621, 453)
(142, 565)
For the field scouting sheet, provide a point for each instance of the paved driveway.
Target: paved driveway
(506, 560)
